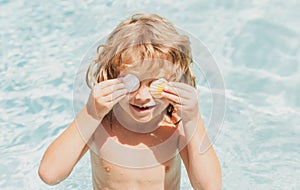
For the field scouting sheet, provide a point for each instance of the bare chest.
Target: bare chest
(135, 150)
(125, 160)
(107, 175)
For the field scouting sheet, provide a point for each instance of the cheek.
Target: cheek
(129, 97)
(125, 100)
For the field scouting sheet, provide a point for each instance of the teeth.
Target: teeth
(143, 107)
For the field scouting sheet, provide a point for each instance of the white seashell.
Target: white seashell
(157, 87)
(132, 83)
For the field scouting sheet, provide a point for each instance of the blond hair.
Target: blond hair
(142, 37)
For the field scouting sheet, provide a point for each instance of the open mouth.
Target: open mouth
(142, 108)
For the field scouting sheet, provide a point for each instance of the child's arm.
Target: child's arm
(65, 151)
(63, 154)
(199, 157)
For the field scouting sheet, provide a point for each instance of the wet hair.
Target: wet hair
(134, 41)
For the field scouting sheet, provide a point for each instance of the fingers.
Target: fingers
(108, 86)
(115, 95)
(112, 102)
(108, 93)
(116, 100)
(104, 96)
(112, 88)
(173, 98)
(180, 93)
(180, 85)
(179, 89)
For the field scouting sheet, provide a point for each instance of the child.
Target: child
(142, 116)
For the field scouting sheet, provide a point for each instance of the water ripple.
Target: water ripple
(255, 43)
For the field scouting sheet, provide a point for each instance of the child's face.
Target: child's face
(141, 105)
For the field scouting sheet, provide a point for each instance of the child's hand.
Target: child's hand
(184, 98)
(104, 96)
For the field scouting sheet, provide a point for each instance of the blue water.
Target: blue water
(256, 45)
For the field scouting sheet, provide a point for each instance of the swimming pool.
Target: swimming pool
(255, 44)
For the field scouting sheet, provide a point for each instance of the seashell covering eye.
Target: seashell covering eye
(157, 87)
(132, 83)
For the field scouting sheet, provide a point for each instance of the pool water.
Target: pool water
(256, 45)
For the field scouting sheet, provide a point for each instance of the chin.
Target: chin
(143, 119)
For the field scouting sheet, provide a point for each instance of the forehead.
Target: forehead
(151, 69)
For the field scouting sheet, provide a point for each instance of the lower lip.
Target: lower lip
(143, 110)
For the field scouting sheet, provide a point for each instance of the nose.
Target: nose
(143, 93)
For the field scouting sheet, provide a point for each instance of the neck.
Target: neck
(128, 122)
